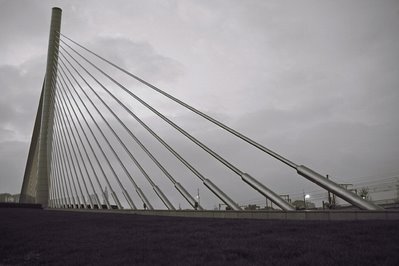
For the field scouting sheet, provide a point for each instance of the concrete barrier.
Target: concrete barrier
(20, 205)
(328, 215)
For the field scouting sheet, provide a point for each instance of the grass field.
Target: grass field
(40, 237)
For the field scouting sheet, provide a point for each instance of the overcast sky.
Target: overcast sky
(316, 81)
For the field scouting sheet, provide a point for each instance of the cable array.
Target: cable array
(83, 149)
(87, 147)
(92, 140)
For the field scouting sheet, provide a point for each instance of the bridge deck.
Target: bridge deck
(311, 215)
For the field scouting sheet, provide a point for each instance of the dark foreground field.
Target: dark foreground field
(37, 237)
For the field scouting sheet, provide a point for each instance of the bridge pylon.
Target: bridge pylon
(35, 187)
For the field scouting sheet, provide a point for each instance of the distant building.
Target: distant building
(300, 205)
(7, 197)
(93, 198)
(252, 207)
(106, 196)
(16, 198)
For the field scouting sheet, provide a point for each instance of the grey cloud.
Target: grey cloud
(139, 58)
(13, 154)
(20, 95)
(316, 82)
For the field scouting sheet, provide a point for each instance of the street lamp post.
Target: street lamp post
(305, 197)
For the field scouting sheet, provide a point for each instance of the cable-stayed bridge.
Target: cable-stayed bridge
(82, 143)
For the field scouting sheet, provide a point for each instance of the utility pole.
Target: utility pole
(198, 196)
(105, 200)
(329, 195)
(397, 189)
